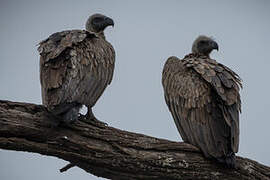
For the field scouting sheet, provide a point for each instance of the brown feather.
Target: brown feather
(75, 66)
(208, 113)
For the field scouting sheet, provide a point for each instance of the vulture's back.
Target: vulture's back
(203, 97)
(75, 66)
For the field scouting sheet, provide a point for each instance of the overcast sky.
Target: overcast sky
(146, 33)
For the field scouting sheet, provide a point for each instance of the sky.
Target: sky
(145, 34)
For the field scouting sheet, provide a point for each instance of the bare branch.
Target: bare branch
(109, 152)
(67, 167)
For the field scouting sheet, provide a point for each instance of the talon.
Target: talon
(89, 118)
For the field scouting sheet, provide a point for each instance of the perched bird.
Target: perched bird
(203, 98)
(75, 68)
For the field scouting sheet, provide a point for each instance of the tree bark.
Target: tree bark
(109, 152)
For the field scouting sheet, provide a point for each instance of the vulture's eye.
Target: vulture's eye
(97, 20)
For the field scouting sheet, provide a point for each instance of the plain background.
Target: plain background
(146, 33)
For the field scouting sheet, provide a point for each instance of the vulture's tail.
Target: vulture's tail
(228, 160)
(67, 112)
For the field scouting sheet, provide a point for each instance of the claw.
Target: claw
(93, 121)
(89, 118)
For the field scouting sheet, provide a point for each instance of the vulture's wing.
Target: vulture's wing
(50, 49)
(75, 66)
(203, 98)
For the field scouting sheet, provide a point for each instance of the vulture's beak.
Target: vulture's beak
(108, 21)
(214, 45)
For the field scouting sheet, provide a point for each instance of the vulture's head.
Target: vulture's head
(97, 23)
(204, 45)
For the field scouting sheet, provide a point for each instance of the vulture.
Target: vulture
(203, 98)
(75, 68)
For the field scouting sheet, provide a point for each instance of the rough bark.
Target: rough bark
(112, 153)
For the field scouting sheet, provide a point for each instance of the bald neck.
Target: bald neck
(98, 34)
(201, 53)
(101, 35)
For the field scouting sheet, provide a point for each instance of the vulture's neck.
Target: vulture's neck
(201, 54)
(101, 35)
(98, 34)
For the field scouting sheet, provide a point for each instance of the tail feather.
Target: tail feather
(67, 112)
(71, 115)
(229, 160)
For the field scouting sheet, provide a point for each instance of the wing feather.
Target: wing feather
(203, 98)
(75, 66)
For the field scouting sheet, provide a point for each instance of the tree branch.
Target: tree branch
(109, 152)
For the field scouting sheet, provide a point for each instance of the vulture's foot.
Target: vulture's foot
(89, 118)
(93, 121)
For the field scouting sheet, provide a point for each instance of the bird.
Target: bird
(203, 98)
(76, 66)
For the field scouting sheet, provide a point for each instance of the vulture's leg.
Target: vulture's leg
(91, 119)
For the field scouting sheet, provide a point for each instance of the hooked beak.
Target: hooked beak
(108, 21)
(214, 45)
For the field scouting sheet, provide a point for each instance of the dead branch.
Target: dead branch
(109, 152)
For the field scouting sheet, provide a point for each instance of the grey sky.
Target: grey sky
(146, 33)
